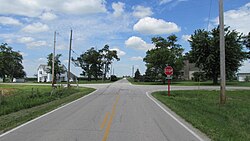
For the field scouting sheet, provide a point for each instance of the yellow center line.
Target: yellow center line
(105, 120)
(110, 120)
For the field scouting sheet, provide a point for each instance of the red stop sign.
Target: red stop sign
(168, 70)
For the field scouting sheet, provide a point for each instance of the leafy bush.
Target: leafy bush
(114, 78)
(247, 79)
(199, 76)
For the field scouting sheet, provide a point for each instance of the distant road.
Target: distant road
(115, 112)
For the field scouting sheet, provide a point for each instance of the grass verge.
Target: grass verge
(200, 108)
(191, 83)
(35, 105)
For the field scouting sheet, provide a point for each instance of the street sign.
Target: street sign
(169, 70)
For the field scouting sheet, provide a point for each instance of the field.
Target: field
(203, 111)
(20, 103)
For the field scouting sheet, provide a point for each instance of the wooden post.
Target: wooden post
(222, 55)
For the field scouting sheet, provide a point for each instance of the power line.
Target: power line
(75, 52)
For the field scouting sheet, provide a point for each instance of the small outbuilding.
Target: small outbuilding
(242, 76)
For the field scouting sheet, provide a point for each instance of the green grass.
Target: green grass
(19, 105)
(227, 122)
(80, 82)
(191, 83)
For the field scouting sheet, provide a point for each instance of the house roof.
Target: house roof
(43, 66)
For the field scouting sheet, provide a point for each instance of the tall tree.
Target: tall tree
(10, 63)
(107, 57)
(167, 52)
(91, 63)
(205, 52)
(58, 67)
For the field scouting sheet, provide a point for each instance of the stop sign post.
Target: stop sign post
(169, 71)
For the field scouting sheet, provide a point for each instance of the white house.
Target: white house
(242, 76)
(44, 76)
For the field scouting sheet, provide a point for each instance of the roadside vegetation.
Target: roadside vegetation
(204, 57)
(191, 83)
(20, 103)
(201, 108)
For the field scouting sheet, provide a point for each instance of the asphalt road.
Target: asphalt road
(115, 112)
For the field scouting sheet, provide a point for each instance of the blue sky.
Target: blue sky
(126, 25)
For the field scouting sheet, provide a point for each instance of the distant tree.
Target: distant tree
(91, 63)
(167, 52)
(205, 52)
(199, 76)
(246, 42)
(10, 63)
(59, 69)
(107, 57)
(137, 75)
(247, 79)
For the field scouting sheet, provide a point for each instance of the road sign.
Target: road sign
(168, 70)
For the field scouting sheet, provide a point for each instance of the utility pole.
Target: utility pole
(222, 54)
(110, 72)
(133, 71)
(70, 45)
(53, 60)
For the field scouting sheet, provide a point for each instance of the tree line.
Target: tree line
(94, 63)
(205, 53)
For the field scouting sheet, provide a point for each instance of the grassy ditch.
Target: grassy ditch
(200, 108)
(20, 103)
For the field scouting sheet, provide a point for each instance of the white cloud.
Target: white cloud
(186, 37)
(84, 7)
(118, 8)
(141, 11)
(47, 16)
(245, 67)
(33, 8)
(62, 47)
(25, 39)
(42, 59)
(9, 41)
(35, 28)
(137, 58)
(65, 61)
(9, 21)
(138, 43)
(154, 26)
(238, 19)
(119, 52)
(165, 1)
(168, 1)
(23, 54)
(35, 44)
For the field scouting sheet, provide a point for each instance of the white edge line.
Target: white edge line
(192, 132)
(45, 114)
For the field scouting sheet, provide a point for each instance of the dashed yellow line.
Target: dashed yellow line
(111, 119)
(105, 120)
